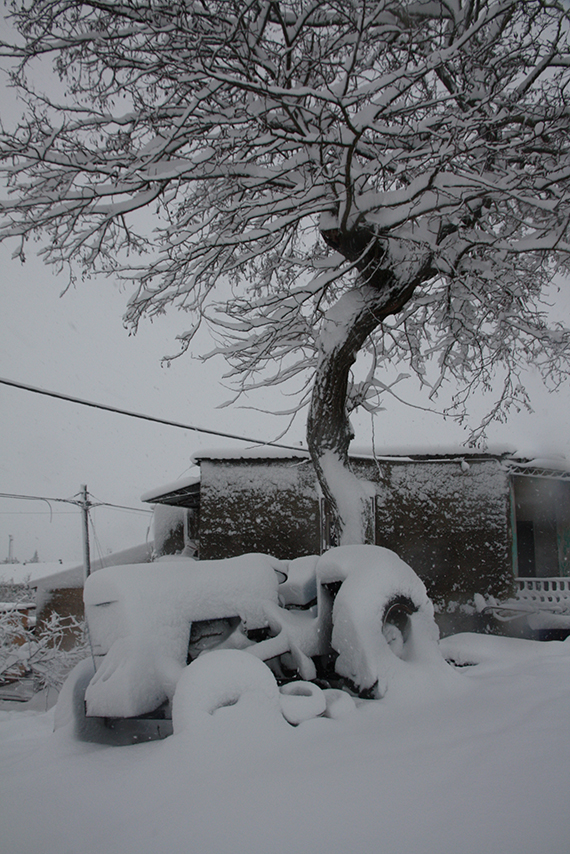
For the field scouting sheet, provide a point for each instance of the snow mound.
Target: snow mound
(339, 703)
(222, 679)
(469, 648)
(301, 701)
(300, 586)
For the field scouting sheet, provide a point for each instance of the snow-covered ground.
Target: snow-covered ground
(476, 763)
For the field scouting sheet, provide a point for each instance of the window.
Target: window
(542, 516)
(525, 549)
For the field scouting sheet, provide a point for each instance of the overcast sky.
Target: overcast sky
(77, 345)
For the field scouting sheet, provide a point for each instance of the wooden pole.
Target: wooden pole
(85, 505)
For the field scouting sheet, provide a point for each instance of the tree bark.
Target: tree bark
(386, 287)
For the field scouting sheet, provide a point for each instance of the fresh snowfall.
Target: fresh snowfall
(463, 746)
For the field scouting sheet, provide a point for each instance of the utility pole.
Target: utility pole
(85, 505)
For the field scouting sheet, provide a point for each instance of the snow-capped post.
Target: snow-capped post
(325, 179)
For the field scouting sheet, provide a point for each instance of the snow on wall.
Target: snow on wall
(168, 529)
(270, 506)
(449, 520)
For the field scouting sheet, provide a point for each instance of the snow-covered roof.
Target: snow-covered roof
(6, 607)
(261, 452)
(184, 487)
(357, 452)
(55, 575)
(508, 453)
(180, 492)
(31, 573)
(431, 451)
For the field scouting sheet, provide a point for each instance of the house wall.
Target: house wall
(269, 506)
(450, 522)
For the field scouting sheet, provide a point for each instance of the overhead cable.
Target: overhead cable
(37, 498)
(143, 417)
(75, 501)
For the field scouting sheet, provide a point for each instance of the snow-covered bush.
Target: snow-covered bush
(42, 656)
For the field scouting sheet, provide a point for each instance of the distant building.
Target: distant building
(57, 586)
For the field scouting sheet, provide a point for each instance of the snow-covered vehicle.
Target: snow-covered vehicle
(325, 630)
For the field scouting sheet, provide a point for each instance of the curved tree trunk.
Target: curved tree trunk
(346, 327)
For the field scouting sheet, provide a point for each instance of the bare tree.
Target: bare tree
(326, 178)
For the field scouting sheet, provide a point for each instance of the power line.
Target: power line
(40, 512)
(37, 498)
(143, 417)
(121, 507)
(77, 503)
(80, 500)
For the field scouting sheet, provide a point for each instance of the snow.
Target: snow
(302, 701)
(140, 618)
(182, 483)
(485, 765)
(450, 758)
(16, 606)
(371, 578)
(339, 703)
(59, 574)
(433, 450)
(221, 679)
(261, 452)
(558, 463)
(352, 494)
(300, 587)
(407, 451)
(467, 648)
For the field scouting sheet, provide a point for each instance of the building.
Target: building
(58, 587)
(467, 522)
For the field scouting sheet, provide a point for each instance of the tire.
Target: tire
(302, 701)
(383, 623)
(397, 624)
(70, 712)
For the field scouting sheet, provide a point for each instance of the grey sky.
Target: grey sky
(77, 345)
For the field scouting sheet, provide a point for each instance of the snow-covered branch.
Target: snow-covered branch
(296, 151)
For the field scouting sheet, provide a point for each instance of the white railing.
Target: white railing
(544, 591)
